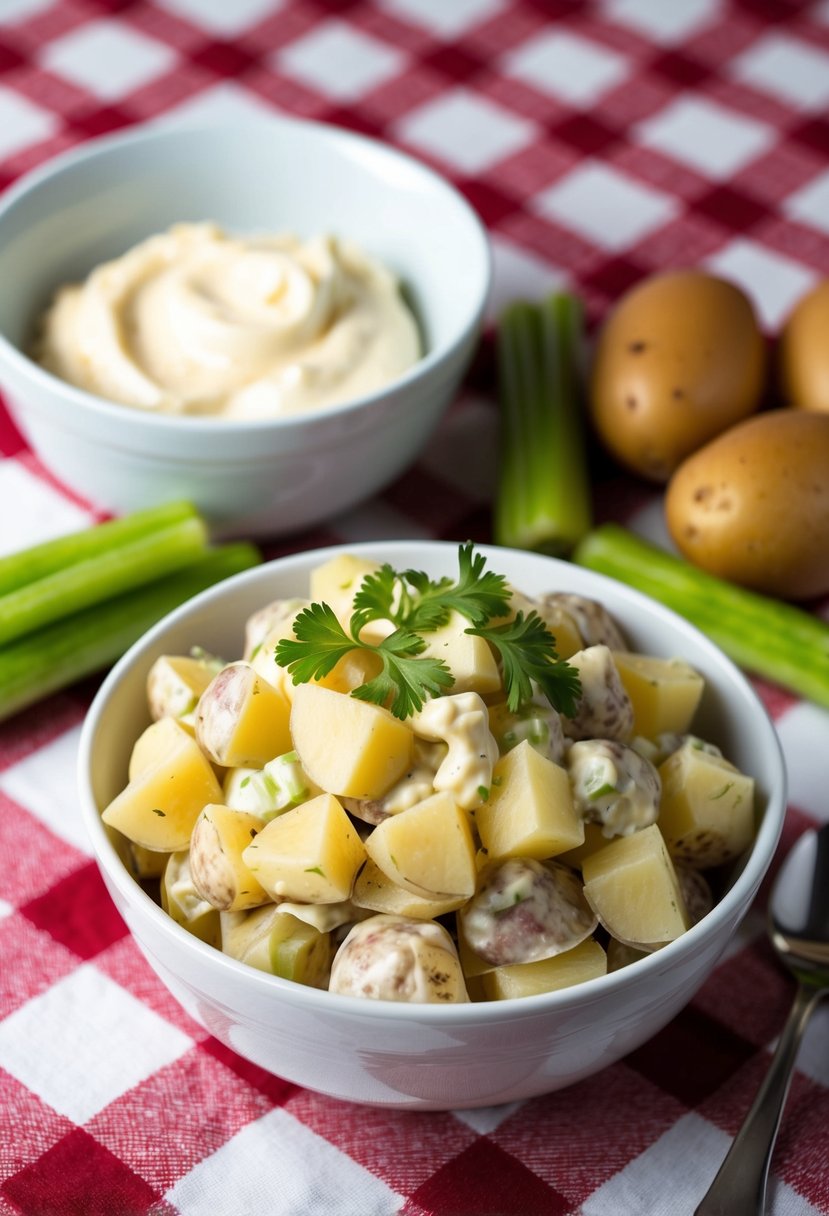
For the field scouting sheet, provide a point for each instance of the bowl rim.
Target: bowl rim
(154, 130)
(563, 1000)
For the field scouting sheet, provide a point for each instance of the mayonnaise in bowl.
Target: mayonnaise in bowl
(196, 321)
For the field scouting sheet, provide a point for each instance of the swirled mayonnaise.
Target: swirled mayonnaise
(196, 321)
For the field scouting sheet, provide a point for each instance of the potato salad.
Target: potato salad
(430, 791)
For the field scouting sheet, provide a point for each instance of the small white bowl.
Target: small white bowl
(426, 1056)
(276, 175)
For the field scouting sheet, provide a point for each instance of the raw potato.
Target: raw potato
(632, 886)
(707, 813)
(162, 802)
(664, 693)
(803, 352)
(679, 359)
(529, 812)
(584, 962)
(753, 505)
(351, 748)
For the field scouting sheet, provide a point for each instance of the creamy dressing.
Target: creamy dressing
(196, 321)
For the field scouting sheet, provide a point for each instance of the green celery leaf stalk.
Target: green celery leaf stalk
(29, 565)
(98, 563)
(543, 498)
(88, 641)
(766, 636)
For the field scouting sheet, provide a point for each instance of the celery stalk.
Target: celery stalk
(39, 561)
(766, 636)
(543, 496)
(64, 651)
(125, 558)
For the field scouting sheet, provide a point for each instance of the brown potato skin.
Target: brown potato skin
(679, 359)
(803, 352)
(752, 505)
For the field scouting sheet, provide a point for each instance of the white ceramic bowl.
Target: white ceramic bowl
(410, 1056)
(275, 175)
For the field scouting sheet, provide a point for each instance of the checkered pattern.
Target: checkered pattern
(599, 141)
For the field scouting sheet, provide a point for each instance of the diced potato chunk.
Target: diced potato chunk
(594, 839)
(311, 853)
(467, 656)
(162, 802)
(266, 619)
(473, 965)
(146, 863)
(632, 886)
(174, 684)
(707, 813)
(559, 622)
(584, 962)
(664, 693)
(427, 849)
(187, 907)
(220, 873)
(277, 942)
(352, 670)
(375, 891)
(337, 581)
(263, 660)
(397, 958)
(154, 743)
(350, 748)
(241, 719)
(530, 810)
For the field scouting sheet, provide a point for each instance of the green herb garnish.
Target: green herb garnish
(416, 605)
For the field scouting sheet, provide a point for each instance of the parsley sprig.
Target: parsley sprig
(415, 605)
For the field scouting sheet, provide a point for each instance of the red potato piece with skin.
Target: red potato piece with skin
(524, 911)
(752, 506)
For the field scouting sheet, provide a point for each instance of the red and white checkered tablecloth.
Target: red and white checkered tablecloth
(599, 141)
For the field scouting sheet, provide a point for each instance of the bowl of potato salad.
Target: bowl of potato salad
(430, 825)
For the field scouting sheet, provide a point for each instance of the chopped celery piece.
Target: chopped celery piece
(543, 496)
(763, 635)
(269, 791)
(87, 641)
(53, 580)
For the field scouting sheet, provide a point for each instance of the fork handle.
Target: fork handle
(740, 1184)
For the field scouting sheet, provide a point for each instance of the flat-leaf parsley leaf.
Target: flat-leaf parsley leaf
(414, 604)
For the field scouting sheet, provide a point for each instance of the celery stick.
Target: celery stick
(67, 650)
(144, 554)
(29, 565)
(543, 496)
(769, 637)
